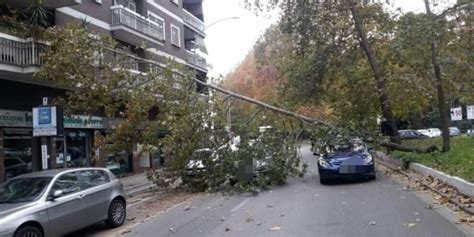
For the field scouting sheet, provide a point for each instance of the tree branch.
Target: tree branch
(453, 8)
(399, 147)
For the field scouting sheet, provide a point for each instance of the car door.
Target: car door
(98, 188)
(66, 213)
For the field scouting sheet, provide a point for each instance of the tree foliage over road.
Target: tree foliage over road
(364, 60)
(97, 79)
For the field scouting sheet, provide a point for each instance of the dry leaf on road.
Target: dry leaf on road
(411, 225)
(275, 228)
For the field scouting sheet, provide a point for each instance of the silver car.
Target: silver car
(57, 202)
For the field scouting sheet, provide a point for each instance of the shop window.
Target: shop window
(119, 162)
(77, 147)
(17, 151)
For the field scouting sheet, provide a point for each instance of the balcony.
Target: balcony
(193, 22)
(135, 29)
(48, 4)
(196, 61)
(19, 56)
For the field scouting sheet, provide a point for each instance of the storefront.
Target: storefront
(20, 151)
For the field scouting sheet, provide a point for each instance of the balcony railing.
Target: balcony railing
(20, 52)
(131, 19)
(193, 21)
(195, 60)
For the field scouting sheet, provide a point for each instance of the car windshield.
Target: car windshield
(345, 147)
(23, 189)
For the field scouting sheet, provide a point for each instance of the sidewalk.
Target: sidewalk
(136, 183)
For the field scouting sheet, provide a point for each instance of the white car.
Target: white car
(430, 132)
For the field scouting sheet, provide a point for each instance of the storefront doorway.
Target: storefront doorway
(77, 143)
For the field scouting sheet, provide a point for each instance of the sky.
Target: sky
(229, 41)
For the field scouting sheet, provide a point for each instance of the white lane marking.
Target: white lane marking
(235, 209)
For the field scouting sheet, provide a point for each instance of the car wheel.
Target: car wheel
(372, 177)
(117, 213)
(323, 180)
(28, 231)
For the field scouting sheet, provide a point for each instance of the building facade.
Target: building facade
(158, 30)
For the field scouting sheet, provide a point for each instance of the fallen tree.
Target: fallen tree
(302, 118)
(399, 147)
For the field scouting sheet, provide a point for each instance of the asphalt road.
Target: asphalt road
(304, 207)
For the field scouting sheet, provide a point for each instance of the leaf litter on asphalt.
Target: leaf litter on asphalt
(275, 228)
(411, 225)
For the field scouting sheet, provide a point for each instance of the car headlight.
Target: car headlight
(369, 159)
(323, 162)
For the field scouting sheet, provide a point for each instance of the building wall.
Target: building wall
(99, 17)
(21, 92)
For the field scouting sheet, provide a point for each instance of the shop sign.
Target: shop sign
(45, 121)
(44, 157)
(456, 114)
(470, 112)
(10, 118)
(83, 121)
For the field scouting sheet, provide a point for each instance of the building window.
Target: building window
(161, 24)
(175, 2)
(175, 36)
(130, 4)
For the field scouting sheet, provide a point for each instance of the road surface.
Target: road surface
(304, 207)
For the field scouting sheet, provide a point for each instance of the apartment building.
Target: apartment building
(159, 30)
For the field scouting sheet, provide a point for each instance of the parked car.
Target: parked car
(470, 132)
(346, 161)
(423, 131)
(454, 131)
(14, 166)
(411, 134)
(58, 202)
(433, 132)
(200, 159)
(11, 152)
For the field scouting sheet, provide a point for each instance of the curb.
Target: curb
(130, 191)
(392, 164)
(460, 184)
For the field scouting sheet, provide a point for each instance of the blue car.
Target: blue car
(349, 161)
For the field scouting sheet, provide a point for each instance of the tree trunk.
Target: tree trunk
(399, 147)
(442, 106)
(378, 74)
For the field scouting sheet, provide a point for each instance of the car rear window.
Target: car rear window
(94, 178)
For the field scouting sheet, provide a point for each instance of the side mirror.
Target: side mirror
(56, 194)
